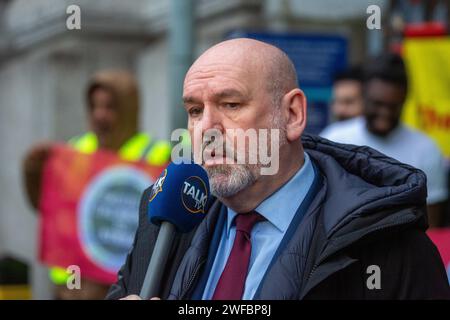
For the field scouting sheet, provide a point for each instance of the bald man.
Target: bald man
(334, 222)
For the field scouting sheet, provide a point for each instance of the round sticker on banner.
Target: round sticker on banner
(109, 215)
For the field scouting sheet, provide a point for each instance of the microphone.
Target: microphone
(178, 202)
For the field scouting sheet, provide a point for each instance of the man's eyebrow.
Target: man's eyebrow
(223, 94)
(228, 93)
(190, 99)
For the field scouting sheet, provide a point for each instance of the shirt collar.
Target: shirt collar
(280, 207)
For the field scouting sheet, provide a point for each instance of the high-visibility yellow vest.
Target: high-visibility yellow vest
(138, 147)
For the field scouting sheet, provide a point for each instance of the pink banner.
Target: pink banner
(89, 210)
(441, 238)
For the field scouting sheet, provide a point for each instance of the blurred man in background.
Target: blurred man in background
(347, 100)
(385, 90)
(113, 113)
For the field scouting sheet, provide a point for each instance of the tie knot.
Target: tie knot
(246, 221)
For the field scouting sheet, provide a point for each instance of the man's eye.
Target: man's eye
(194, 112)
(232, 105)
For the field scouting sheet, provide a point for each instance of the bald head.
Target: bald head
(262, 62)
(237, 92)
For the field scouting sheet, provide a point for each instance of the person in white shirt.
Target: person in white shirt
(347, 100)
(385, 89)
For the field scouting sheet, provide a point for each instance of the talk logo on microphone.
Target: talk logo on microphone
(194, 195)
(157, 186)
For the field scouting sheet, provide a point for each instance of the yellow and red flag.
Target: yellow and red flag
(428, 104)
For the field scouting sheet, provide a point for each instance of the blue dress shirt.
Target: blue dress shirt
(279, 210)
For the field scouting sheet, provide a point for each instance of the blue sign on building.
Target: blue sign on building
(317, 58)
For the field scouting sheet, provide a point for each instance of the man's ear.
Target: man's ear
(294, 103)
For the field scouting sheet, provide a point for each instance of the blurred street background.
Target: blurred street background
(45, 68)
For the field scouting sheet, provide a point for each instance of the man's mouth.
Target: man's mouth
(212, 158)
(101, 129)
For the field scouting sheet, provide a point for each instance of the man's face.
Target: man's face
(103, 117)
(383, 106)
(222, 96)
(347, 99)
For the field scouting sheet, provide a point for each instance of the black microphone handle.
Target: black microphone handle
(158, 261)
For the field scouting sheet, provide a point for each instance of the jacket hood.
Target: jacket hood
(362, 183)
(122, 84)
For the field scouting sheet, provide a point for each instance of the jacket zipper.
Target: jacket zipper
(399, 222)
(191, 279)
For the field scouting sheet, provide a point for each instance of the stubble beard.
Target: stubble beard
(226, 180)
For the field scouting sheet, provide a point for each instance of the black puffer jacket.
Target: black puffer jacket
(369, 211)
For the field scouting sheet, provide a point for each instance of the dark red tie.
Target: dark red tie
(232, 281)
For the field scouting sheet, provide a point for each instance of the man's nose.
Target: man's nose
(99, 113)
(385, 110)
(211, 119)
